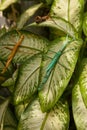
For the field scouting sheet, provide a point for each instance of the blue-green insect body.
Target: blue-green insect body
(53, 63)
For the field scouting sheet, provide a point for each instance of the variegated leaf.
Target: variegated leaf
(85, 24)
(83, 80)
(3, 108)
(60, 24)
(19, 109)
(28, 79)
(71, 11)
(79, 109)
(27, 15)
(60, 74)
(34, 119)
(10, 122)
(30, 46)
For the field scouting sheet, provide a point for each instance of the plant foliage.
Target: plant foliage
(43, 66)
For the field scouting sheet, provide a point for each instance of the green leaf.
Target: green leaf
(49, 2)
(9, 128)
(5, 3)
(19, 109)
(70, 10)
(30, 46)
(34, 119)
(61, 73)
(27, 15)
(9, 83)
(83, 80)
(85, 24)
(58, 24)
(79, 109)
(2, 31)
(10, 122)
(3, 108)
(28, 79)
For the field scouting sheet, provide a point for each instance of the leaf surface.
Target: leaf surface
(83, 80)
(10, 122)
(28, 79)
(60, 75)
(34, 119)
(3, 108)
(85, 24)
(5, 3)
(10, 83)
(30, 46)
(70, 10)
(27, 15)
(59, 24)
(79, 109)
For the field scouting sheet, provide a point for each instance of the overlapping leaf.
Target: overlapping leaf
(28, 79)
(10, 122)
(3, 108)
(59, 24)
(85, 24)
(79, 109)
(27, 14)
(5, 3)
(19, 109)
(71, 11)
(60, 75)
(9, 83)
(31, 45)
(34, 119)
(83, 80)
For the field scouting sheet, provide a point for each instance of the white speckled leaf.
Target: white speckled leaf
(3, 108)
(58, 24)
(83, 80)
(61, 73)
(34, 119)
(10, 122)
(79, 109)
(30, 46)
(28, 79)
(70, 10)
(19, 109)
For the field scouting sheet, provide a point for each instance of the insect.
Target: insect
(12, 54)
(40, 19)
(53, 63)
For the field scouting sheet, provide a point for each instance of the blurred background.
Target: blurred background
(2, 19)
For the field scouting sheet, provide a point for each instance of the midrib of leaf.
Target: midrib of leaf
(43, 123)
(67, 21)
(21, 46)
(30, 76)
(52, 73)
